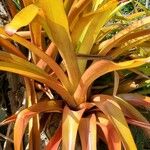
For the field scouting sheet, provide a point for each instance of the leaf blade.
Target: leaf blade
(28, 13)
(70, 125)
(25, 115)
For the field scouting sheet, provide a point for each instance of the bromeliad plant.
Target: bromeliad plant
(78, 31)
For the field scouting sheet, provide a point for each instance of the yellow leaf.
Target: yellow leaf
(50, 62)
(92, 30)
(23, 18)
(123, 34)
(57, 21)
(14, 64)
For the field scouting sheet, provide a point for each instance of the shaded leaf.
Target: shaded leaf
(54, 142)
(136, 99)
(139, 123)
(8, 120)
(11, 48)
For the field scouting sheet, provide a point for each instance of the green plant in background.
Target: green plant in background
(77, 31)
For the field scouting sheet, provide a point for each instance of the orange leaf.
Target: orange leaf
(71, 120)
(114, 113)
(11, 48)
(55, 140)
(100, 68)
(8, 120)
(111, 136)
(25, 115)
(51, 63)
(87, 131)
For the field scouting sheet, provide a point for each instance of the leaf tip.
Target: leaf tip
(9, 30)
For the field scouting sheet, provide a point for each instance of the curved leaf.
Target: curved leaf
(23, 18)
(57, 21)
(87, 131)
(41, 77)
(139, 124)
(109, 44)
(92, 30)
(100, 68)
(51, 63)
(109, 108)
(136, 99)
(25, 115)
(71, 120)
(54, 142)
(11, 48)
(111, 136)
(8, 120)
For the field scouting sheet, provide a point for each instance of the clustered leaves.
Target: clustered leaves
(77, 31)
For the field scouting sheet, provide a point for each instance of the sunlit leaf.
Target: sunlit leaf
(91, 32)
(87, 131)
(23, 18)
(96, 3)
(109, 108)
(70, 123)
(135, 15)
(98, 69)
(51, 63)
(58, 24)
(110, 133)
(128, 110)
(24, 116)
(116, 83)
(129, 45)
(108, 45)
